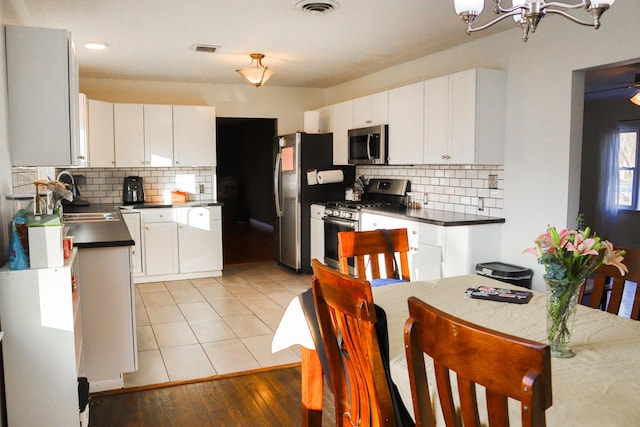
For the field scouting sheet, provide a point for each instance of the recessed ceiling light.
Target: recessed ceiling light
(96, 45)
(317, 7)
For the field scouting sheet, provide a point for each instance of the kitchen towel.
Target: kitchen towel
(330, 176)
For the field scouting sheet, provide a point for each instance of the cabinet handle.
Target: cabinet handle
(369, 121)
(414, 232)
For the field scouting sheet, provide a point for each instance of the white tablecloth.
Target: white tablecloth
(600, 386)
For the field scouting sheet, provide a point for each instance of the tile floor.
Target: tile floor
(190, 329)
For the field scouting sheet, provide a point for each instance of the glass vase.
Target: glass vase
(562, 298)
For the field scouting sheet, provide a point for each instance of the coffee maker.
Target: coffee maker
(132, 190)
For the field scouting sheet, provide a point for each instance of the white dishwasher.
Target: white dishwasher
(317, 233)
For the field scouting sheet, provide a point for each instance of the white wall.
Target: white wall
(542, 169)
(241, 100)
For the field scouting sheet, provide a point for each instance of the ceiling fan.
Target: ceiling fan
(627, 85)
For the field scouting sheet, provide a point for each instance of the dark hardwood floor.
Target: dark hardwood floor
(244, 243)
(263, 398)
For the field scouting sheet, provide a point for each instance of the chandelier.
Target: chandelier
(256, 75)
(528, 13)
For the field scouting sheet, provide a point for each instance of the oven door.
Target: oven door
(332, 226)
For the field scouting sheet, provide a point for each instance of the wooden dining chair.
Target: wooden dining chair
(506, 366)
(366, 246)
(604, 290)
(347, 317)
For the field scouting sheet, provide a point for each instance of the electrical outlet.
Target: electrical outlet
(201, 188)
(480, 203)
(493, 182)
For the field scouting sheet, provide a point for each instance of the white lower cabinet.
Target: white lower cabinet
(316, 235)
(438, 251)
(108, 316)
(132, 219)
(181, 243)
(42, 347)
(160, 242)
(199, 239)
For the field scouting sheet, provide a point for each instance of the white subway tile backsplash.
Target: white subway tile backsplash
(453, 188)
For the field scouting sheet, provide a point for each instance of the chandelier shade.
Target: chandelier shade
(636, 98)
(255, 73)
(528, 13)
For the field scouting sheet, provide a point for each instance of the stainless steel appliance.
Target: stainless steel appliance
(345, 215)
(368, 146)
(295, 155)
(132, 190)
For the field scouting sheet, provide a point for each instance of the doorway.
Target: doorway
(245, 186)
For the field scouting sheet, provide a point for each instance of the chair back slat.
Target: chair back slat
(504, 365)
(346, 317)
(609, 284)
(367, 246)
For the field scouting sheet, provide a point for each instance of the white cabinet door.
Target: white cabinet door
(128, 123)
(406, 115)
(342, 122)
(199, 239)
(161, 248)
(326, 120)
(158, 135)
(132, 219)
(101, 142)
(317, 233)
(42, 96)
(371, 110)
(194, 135)
(436, 120)
(82, 149)
(462, 96)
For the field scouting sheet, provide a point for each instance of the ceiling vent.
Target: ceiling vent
(317, 7)
(204, 48)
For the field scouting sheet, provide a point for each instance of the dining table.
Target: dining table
(600, 386)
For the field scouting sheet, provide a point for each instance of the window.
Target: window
(628, 173)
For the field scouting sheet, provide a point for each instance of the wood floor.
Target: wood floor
(265, 398)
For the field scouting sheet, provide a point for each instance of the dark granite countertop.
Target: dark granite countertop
(151, 205)
(98, 234)
(436, 217)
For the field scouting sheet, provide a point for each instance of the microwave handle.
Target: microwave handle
(369, 146)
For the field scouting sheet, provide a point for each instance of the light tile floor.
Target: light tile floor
(189, 329)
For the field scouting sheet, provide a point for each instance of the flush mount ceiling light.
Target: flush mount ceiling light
(257, 74)
(96, 45)
(317, 7)
(528, 13)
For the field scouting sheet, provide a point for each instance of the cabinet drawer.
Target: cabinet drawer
(431, 234)
(158, 215)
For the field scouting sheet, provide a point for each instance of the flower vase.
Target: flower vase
(562, 298)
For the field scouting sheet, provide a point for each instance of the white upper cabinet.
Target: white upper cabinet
(371, 110)
(101, 140)
(325, 122)
(342, 122)
(82, 152)
(406, 115)
(476, 107)
(43, 94)
(158, 135)
(128, 122)
(194, 135)
(436, 120)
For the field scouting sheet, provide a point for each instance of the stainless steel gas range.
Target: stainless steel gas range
(345, 215)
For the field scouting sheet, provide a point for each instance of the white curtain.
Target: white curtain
(606, 210)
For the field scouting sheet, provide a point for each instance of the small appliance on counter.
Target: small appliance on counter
(132, 190)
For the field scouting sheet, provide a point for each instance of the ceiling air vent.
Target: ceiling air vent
(317, 7)
(204, 48)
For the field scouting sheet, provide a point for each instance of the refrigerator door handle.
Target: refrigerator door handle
(276, 185)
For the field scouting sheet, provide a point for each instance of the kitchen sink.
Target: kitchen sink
(90, 217)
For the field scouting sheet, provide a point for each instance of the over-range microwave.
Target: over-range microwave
(368, 146)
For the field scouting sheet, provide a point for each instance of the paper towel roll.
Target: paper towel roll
(330, 176)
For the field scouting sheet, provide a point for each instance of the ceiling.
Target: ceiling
(152, 39)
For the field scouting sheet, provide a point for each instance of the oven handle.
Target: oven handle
(342, 222)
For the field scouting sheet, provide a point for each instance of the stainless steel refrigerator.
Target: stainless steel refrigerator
(295, 154)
